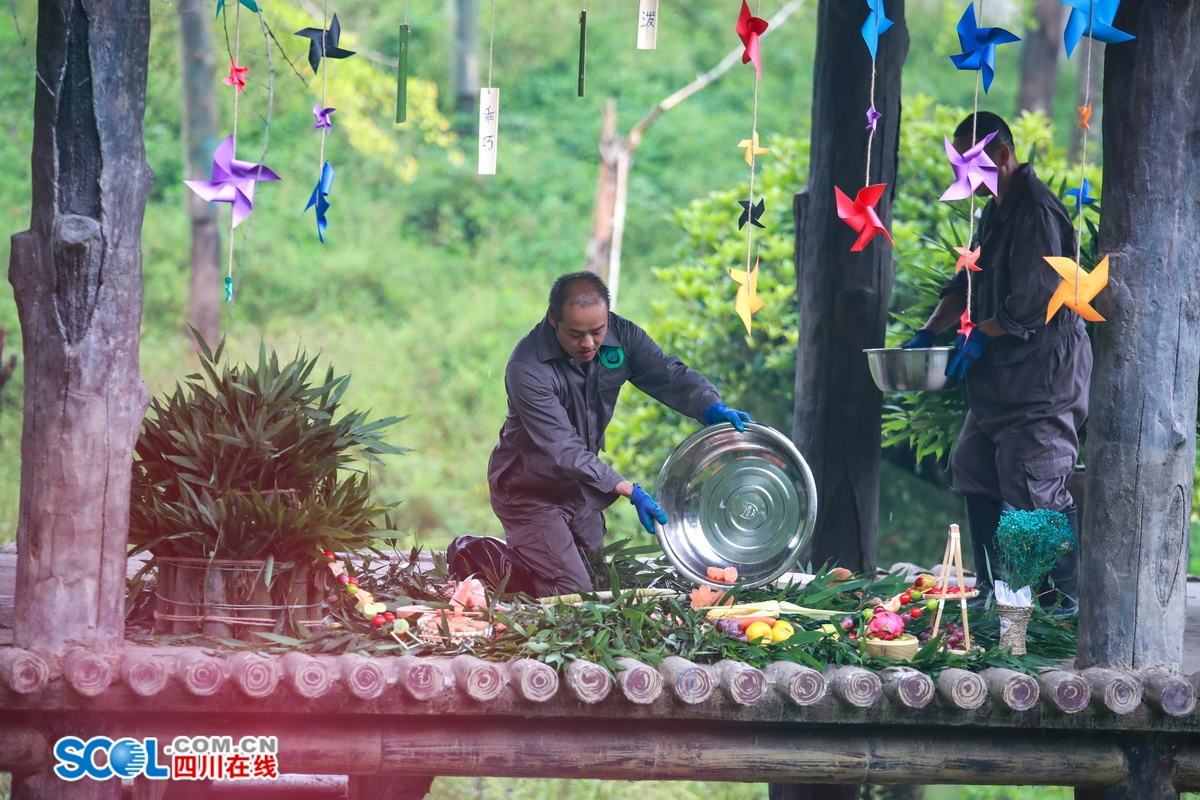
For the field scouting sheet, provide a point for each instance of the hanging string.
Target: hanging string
(1087, 100)
(405, 12)
(491, 41)
(753, 158)
(237, 48)
(871, 133)
(324, 83)
(971, 212)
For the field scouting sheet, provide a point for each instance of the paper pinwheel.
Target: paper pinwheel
(972, 169)
(750, 214)
(324, 44)
(860, 213)
(979, 46)
(1078, 287)
(967, 258)
(1092, 18)
(749, 28)
(247, 3)
(322, 115)
(877, 22)
(320, 192)
(747, 301)
(965, 326)
(232, 181)
(236, 79)
(873, 118)
(1082, 198)
(752, 149)
(1085, 116)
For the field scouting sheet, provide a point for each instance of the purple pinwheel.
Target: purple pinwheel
(1082, 198)
(320, 192)
(877, 22)
(979, 46)
(232, 181)
(1092, 18)
(322, 115)
(971, 169)
(873, 118)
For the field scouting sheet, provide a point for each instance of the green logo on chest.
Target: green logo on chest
(611, 357)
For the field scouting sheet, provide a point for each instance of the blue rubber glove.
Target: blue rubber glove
(647, 510)
(719, 412)
(922, 339)
(966, 350)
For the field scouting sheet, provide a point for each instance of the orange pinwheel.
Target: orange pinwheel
(1078, 287)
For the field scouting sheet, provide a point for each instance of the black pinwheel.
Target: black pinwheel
(324, 43)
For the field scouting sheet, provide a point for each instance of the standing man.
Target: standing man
(1027, 379)
(548, 487)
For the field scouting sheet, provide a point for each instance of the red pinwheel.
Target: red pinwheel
(860, 214)
(749, 28)
(236, 77)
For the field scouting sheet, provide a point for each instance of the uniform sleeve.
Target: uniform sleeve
(547, 423)
(1032, 280)
(666, 378)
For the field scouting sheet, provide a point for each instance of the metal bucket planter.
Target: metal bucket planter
(237, 598)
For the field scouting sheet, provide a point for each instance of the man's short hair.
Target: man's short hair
(983, 123)
(578, 288)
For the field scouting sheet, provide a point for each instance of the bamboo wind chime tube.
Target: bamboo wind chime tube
(402, 76)
(648, 25)
(582, 48)
(489, 129)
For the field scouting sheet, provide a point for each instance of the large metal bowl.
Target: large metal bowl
(921, 369)
(745, 500)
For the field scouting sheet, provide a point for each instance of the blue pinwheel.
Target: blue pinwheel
(979, 46)
(1092, 18)
(1082, 198)
(877, 22)
(320, 192)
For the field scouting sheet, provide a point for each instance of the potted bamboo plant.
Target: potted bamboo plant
(242, 477)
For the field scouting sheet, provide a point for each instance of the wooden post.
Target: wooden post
(640, 683)
(1012, 690)
(87, 672)
(1065, 691)
(255, 675)
(421, 678)
(1151, 763)
(480, 680)
(855, 686)
(1141, 446)
(76, 276)
(23, 672)
(364, 677)
(961, 689)
(744, 684)
(843, 296)
(145, 674)
(804, 686)
(200, 674)
(1114, 691)
(907, 687)
(590, 682)
(533, 680)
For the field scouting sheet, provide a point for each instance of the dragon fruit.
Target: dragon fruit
(885, 625)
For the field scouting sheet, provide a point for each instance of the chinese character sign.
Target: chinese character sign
(489, 129)
(648, 25)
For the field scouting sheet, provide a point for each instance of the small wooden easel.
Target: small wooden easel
(953, 557)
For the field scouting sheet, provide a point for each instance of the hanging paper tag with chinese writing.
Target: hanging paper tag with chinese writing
(489, 129)
(648, 25)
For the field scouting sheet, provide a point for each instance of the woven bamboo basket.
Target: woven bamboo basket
(903, 648)
(430, 631)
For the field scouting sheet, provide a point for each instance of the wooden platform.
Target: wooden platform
(354, 716)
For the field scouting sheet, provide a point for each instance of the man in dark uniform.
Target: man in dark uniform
(1027, 384)
(548, 487)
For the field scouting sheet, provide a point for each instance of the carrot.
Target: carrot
(731, 575)
(746, 622)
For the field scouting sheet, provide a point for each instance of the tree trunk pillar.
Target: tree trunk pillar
(842, 295)
(1151, 770)
(76, 276)
(1141, 444)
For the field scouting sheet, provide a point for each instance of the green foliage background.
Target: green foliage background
(431, 272)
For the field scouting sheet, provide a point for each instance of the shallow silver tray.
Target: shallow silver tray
(745, 500)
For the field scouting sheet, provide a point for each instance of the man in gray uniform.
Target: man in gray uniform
(1027, 384)
(548, 487)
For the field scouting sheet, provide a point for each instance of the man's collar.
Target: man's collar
(1018, 187)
